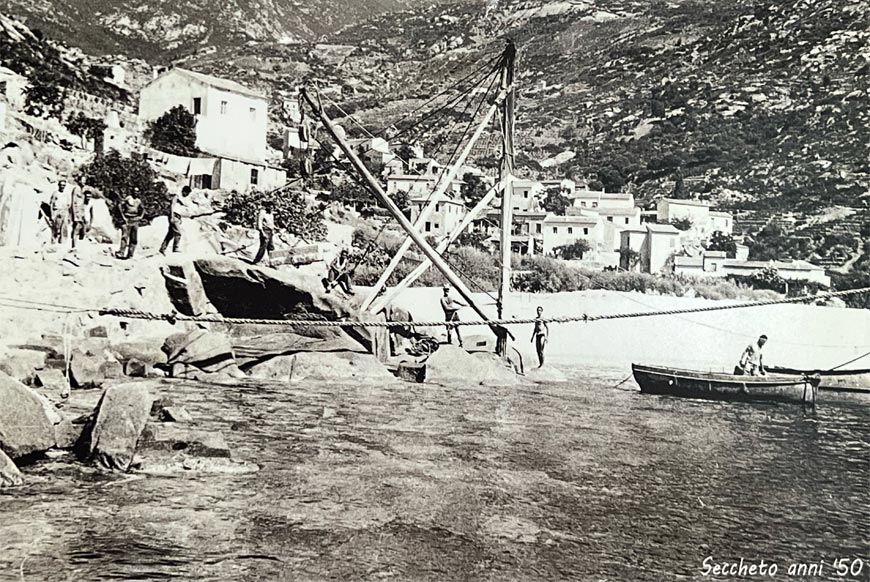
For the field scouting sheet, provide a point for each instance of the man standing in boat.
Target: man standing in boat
(451, 308)
(540, 335)
(751, 362)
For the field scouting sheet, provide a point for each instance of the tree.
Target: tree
(574, 250)
(174, 132)
(44, 96)
(473, 189)
(679, 192)
(768, 278)
(402, 200)
(473, 238)
(87, 128)
(682, 223)
(719, 241)
(116, 176)
(555, 202)
(611, 179)
(630, 258)
(292, 212)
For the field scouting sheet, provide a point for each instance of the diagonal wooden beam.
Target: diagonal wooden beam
(427, 210)
(403, 221)
(418, 271)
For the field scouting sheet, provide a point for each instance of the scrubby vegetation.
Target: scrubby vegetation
(116, 176)
(292, 212)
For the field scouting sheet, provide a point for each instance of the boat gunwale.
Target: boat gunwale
(722, 377)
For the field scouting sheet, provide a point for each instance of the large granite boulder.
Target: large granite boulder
(331, 366)
(25, 425)
(453, 366)
(23, 364)
(208, 351)
(9, 473)
(121, 415)
(238, 289)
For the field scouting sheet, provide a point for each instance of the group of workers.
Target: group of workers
(70, 212)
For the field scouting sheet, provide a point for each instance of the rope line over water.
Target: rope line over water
(173, 317)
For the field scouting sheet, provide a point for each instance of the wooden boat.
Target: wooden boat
(835, 385)
(722, 386)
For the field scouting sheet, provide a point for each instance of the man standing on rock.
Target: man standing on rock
(177, 210)
(540, 335)
(132, 213)
(266, 228)
(59, 206)
(79, 208)
(451, 308)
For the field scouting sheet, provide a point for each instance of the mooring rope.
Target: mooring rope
(173, 317)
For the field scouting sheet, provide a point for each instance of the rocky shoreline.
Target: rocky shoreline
(98, 389)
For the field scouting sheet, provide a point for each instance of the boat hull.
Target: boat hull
(719, 386)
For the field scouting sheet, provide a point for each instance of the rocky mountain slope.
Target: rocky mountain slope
(157, 28)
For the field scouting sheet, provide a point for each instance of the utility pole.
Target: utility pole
(507, 172)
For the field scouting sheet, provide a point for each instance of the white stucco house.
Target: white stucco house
(704, 221)
(231, 119)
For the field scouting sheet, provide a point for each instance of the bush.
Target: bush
(116, 176)
(574, 250)
(682, 223)
(174, 132)
(292, 212)
(720, 241)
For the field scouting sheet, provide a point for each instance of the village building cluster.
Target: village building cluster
(231, 136)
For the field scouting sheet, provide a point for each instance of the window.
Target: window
(585, 231)
(570, 230)
(594, 205)
(253, 113)
(437, 208)
(437, 226)
(197, 105)
(223, 107)
(525, 193)
(626, 220)
(255, 176)
(428, 226)
(555, 230)
(609, 219)
(538, 229)
(583, 204)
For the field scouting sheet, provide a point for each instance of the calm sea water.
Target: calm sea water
(582, 481)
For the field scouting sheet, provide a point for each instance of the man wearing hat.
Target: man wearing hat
(751, 362)
(132, 212)
(451, 308)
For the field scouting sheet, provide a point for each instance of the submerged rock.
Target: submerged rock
(333, 366)
(547, 374)
(120, 418)
(10, 476)
(171, 437)
(25, 427)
